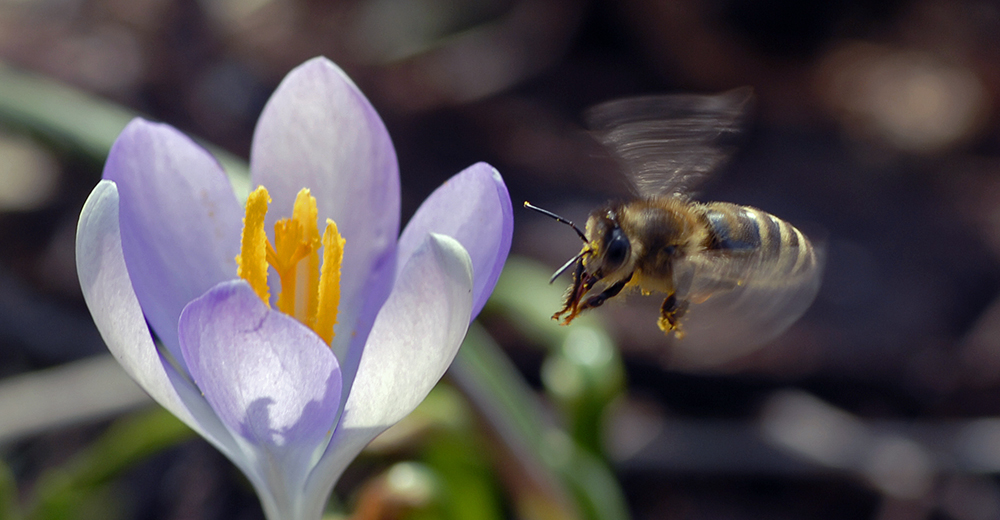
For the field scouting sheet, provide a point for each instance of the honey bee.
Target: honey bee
(730, 273)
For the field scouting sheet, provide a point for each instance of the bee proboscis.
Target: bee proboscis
(730, 273)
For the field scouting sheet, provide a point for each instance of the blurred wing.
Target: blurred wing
(669, 144)
(739, 302)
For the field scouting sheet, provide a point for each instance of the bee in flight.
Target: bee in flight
(730, 273)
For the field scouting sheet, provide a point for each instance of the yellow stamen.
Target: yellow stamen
(297, 239)
(310, 295)
(251, 264)
(305, 213)
(329, 281)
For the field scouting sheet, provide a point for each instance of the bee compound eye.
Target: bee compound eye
(617, 248)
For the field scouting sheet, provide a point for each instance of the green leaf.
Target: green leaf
(556, 477)
(83, 480)
(9, 508)
(583, 372)
(75, 120)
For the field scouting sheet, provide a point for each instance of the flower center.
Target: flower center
(308, 293)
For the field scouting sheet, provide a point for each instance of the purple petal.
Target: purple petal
(266, 375)
(318, 131)
(180, 221)
(415, 338)
(474, 208)
(108, 292)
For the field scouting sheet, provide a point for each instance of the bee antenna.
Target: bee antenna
(564, 221)
(566, 266)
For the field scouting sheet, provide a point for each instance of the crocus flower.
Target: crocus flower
(291, 332)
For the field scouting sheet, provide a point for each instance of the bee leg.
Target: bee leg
(671, 312)
(610, 292)
(576, 291)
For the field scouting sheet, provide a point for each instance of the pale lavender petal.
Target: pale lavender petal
(474, 208)
(180, 221)
(272, 381)
(415, 337)
(318, 131)
(108, 292)
(267, 376)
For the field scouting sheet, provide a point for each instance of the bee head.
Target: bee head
(608, 252)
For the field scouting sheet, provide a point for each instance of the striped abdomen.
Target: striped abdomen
(781, 248)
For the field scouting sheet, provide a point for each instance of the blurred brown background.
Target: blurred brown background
(875, 128)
